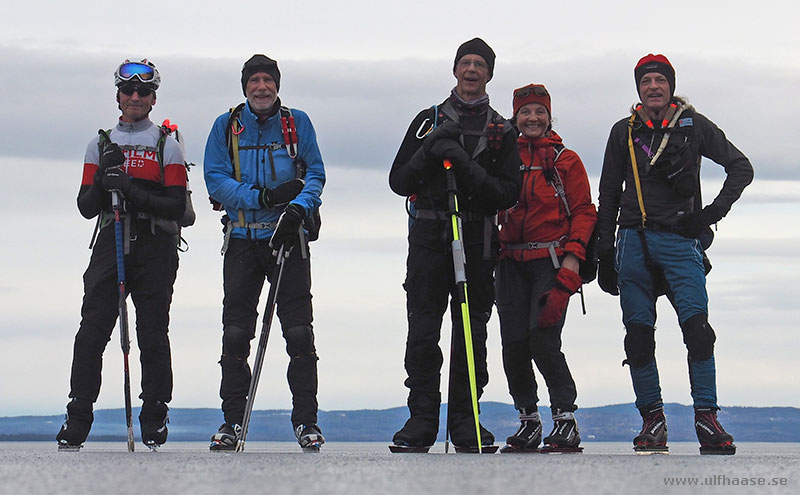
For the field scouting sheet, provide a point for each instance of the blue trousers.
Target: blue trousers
(681, 260)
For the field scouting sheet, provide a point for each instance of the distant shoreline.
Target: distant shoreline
(612, 423)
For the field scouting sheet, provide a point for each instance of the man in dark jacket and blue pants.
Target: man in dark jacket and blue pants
(664, 230)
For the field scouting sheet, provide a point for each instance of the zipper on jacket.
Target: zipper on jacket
(272, 165)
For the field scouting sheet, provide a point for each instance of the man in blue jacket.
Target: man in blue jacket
(270, 187)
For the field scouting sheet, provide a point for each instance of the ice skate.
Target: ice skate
(416, 437)
(153, 421)
(653, 437)
(225, 438)
(565, 437)
(528, 436)
(309, 437)
(714, 440)
(464, 440)
(78, 422)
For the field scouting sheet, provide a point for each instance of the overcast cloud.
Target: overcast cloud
(362, 73)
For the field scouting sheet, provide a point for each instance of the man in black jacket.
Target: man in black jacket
(664, 230)
(478, 141)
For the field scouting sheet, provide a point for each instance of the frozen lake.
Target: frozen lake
(35, 468)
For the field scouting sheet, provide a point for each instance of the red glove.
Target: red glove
(553, 303)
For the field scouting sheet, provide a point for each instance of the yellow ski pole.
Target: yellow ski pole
(460, 268)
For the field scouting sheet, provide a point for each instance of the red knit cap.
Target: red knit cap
(532, 93)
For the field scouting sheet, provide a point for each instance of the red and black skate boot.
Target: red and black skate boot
(653, 437)
(714, 440)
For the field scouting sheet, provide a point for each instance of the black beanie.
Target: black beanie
(260, 63)
(478, 47)
(655, 63)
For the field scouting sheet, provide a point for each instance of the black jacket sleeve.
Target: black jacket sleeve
(409, 166)
(169, 202)
(612, 178)
(738, 170)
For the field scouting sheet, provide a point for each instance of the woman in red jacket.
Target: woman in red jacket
(543, 239)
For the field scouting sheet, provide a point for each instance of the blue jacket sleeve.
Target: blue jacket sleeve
(218, 172)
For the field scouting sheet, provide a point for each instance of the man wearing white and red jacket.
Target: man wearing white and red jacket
(127, 162)
(543, 238)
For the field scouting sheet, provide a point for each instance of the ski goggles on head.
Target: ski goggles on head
(531, 89)
(129, 70)
(143, 90)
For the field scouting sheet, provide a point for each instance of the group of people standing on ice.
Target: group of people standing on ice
(499, 206)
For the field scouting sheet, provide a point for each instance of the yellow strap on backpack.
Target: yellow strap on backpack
(636, 169)
(236, 129)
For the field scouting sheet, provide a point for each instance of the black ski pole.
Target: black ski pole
(460, 270)
(269, 310)
(124, 334)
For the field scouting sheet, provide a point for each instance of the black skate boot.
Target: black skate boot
(309, 437)
(153, 421)
(653, 437)
(528, 436)
(714, 440)
(462, 433)
(225, 439)
(416, 436)
(78, 422)
(565, 437)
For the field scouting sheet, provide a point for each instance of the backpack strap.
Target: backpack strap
(289, 131)
(233, 130)
(555, 181)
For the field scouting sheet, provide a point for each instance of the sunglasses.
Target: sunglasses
(143, 90)
(138, 70)
(528, 90)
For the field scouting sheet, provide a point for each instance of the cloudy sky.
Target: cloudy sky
(362, 71)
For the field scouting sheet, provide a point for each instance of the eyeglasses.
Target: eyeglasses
(138, 70)
(477, 63)
(143, 90)
(535, 89)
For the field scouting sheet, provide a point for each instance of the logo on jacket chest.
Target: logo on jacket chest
(139, 159)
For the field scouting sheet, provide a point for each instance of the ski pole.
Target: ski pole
(124, 334)
(460, 269)
(269, 310)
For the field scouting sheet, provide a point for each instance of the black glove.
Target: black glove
(693, 224)
(115, 179)
(606, 273)
(286, 232)
(448, 130)
(112, 157)
(452, 150)
(270, 198)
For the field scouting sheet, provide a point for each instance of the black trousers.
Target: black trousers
(520, 285)
(246, 266)
(429, 282)
(150, 271)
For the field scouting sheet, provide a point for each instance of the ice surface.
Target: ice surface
(36, 468)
